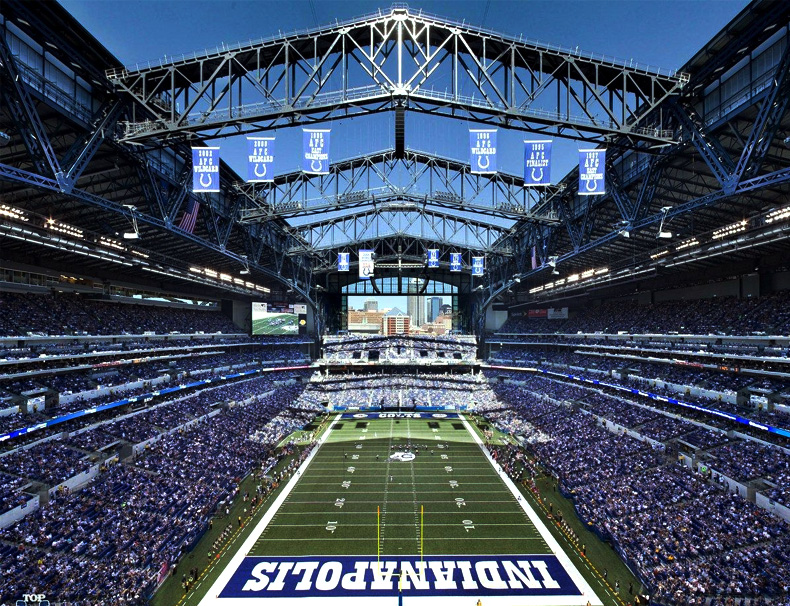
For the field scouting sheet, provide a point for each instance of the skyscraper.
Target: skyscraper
(415, 310)
(371, 305)
(433, 307)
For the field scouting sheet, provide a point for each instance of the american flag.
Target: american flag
(189, 218)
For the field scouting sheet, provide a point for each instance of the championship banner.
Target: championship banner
(433, 258)
(591, 172)
(343, 261)
(260, 159)
(455, 261)
(205, 169)
(482, 151)
(478, 266)
(537, 163)
(316, 151)
(365, 264)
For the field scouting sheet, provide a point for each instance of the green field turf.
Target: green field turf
(275, 324)
(332, 510)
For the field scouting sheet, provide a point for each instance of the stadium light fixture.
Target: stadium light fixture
(135, 234)
(625, 233)
(5, 139)
(554, 272)
(245, 271)
(661, 232)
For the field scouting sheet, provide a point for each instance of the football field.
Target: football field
(399, 502)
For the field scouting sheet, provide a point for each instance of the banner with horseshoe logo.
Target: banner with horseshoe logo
(205, 169)
(482, 151)
(315, 158)
(260, 159)
(591, 172)
(537, 163)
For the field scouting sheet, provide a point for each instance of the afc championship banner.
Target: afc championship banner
(482, 151)
(433, 258)
(591, 172)
(478, 266)
(315, 159)
(343, 261)
(537, 163)
(365, 264)
(260, 159)
(455, 261)
(205, 169)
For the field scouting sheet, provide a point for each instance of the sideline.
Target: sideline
(559, 552)
(211, 597)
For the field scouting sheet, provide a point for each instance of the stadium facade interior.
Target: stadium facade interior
(187, 419)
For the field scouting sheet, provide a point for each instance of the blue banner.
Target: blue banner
(462, 578)
(433, 258)
(205, 169)
(343, 261)
(478, 266)
(455, 261)
(537, 163)
(591, 172)
(260, 159)
(315, 159)
(482, 151)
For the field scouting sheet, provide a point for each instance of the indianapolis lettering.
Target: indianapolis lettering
(521, 575)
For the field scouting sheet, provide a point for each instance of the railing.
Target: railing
(47, 88)
(373, 91)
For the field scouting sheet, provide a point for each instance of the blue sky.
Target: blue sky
(663, 33)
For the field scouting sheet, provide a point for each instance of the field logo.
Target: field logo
(541, 576)
(403, 456)
(33, 598)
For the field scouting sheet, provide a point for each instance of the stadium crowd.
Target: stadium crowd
(721, 315)
(71, 314)
(688, 537)
(106, 543)
(420, 349)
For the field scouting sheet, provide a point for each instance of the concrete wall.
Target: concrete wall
(12, 515)
(495, 318)
(240, 312)
(772, 506)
